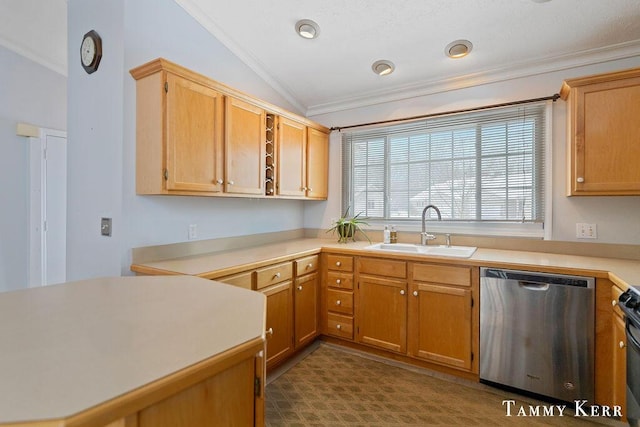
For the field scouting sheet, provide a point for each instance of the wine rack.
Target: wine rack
(270, 163)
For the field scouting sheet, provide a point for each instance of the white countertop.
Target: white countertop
(622, 272)
(65, 348)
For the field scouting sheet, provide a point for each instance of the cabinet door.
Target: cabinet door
(317, 164)
(306, 309)
(193, 136)
(619, 362)
(605, 138)
(440, 319)
(292, 143)
(279, 322)
(382, 313)
(245, 126)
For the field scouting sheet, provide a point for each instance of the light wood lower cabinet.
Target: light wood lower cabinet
(441, 315)
(306, 309)
(619, 341)
(381, 316)
(337, 301)
(279, 322)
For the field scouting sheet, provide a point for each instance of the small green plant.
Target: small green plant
(346, 227)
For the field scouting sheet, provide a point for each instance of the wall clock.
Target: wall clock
(91, 51)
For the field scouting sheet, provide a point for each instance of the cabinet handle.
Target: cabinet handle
(338, 281)
(303, 188)
(402, 292)
(415, 293)
(338, 302)
(269, 331)
(310, 266)
(338, 326)
(580, 179)
(614, 302)
(309, 189)
(277, 275)
(300, 287)
(338, 263)
(621, 344)
(219, 181)
(230, 182)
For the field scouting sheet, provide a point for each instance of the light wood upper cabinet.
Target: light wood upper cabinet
(317, 164)
(292, 158)
(196, 136)
(603, 133)
(303, 161)
(245, 134)
(179, 136)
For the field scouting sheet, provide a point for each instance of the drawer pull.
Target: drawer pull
(338, 327)
(614, 303)
(621, 344)
(300, 287)
(338, 263)
(338, 281)
(580, 179)
(269, 332)
(309, 265)
(338, 302)
(277, 275)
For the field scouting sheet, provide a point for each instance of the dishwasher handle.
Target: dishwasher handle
(533, 286)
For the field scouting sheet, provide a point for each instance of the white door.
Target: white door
(48, 225)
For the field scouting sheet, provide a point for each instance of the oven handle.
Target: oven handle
(630, 336)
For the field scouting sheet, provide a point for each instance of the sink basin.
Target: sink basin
(435, 250)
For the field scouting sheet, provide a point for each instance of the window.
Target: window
(479, 167)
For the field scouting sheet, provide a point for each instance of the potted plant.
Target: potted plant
(346, 227)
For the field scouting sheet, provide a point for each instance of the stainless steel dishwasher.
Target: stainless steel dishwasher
(537, 333)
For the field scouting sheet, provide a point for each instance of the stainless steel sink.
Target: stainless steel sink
(435, 250)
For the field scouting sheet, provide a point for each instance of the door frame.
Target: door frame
(37, 274)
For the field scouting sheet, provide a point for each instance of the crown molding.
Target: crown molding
(192, 9)
(522, 69)
(34, 56)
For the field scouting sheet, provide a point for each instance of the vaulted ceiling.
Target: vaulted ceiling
(511, 38)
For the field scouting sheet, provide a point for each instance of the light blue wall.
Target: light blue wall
(29, 93)
(101, 137)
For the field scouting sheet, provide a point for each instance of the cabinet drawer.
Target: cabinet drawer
(242, 280)
(340, 326)
(445, 274)
(339, 280)
(340, 262)
(273, 274)
(383, 267)
(340, 301)
(306, 265)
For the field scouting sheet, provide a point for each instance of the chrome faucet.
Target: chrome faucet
(424, 236)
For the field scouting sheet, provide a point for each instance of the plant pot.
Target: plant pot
(346, 232)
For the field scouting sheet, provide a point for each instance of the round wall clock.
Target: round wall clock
(91, 51)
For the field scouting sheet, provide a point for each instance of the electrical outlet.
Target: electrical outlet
(586, 231)
(193, 231)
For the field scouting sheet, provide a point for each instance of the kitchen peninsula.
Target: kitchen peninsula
(132, 351)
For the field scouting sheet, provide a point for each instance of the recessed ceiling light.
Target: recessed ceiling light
(307, 29)
(383, 67)
(458, 49)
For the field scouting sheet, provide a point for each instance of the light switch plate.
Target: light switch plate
(105, 227)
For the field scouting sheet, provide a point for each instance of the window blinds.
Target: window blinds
(480, 166)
